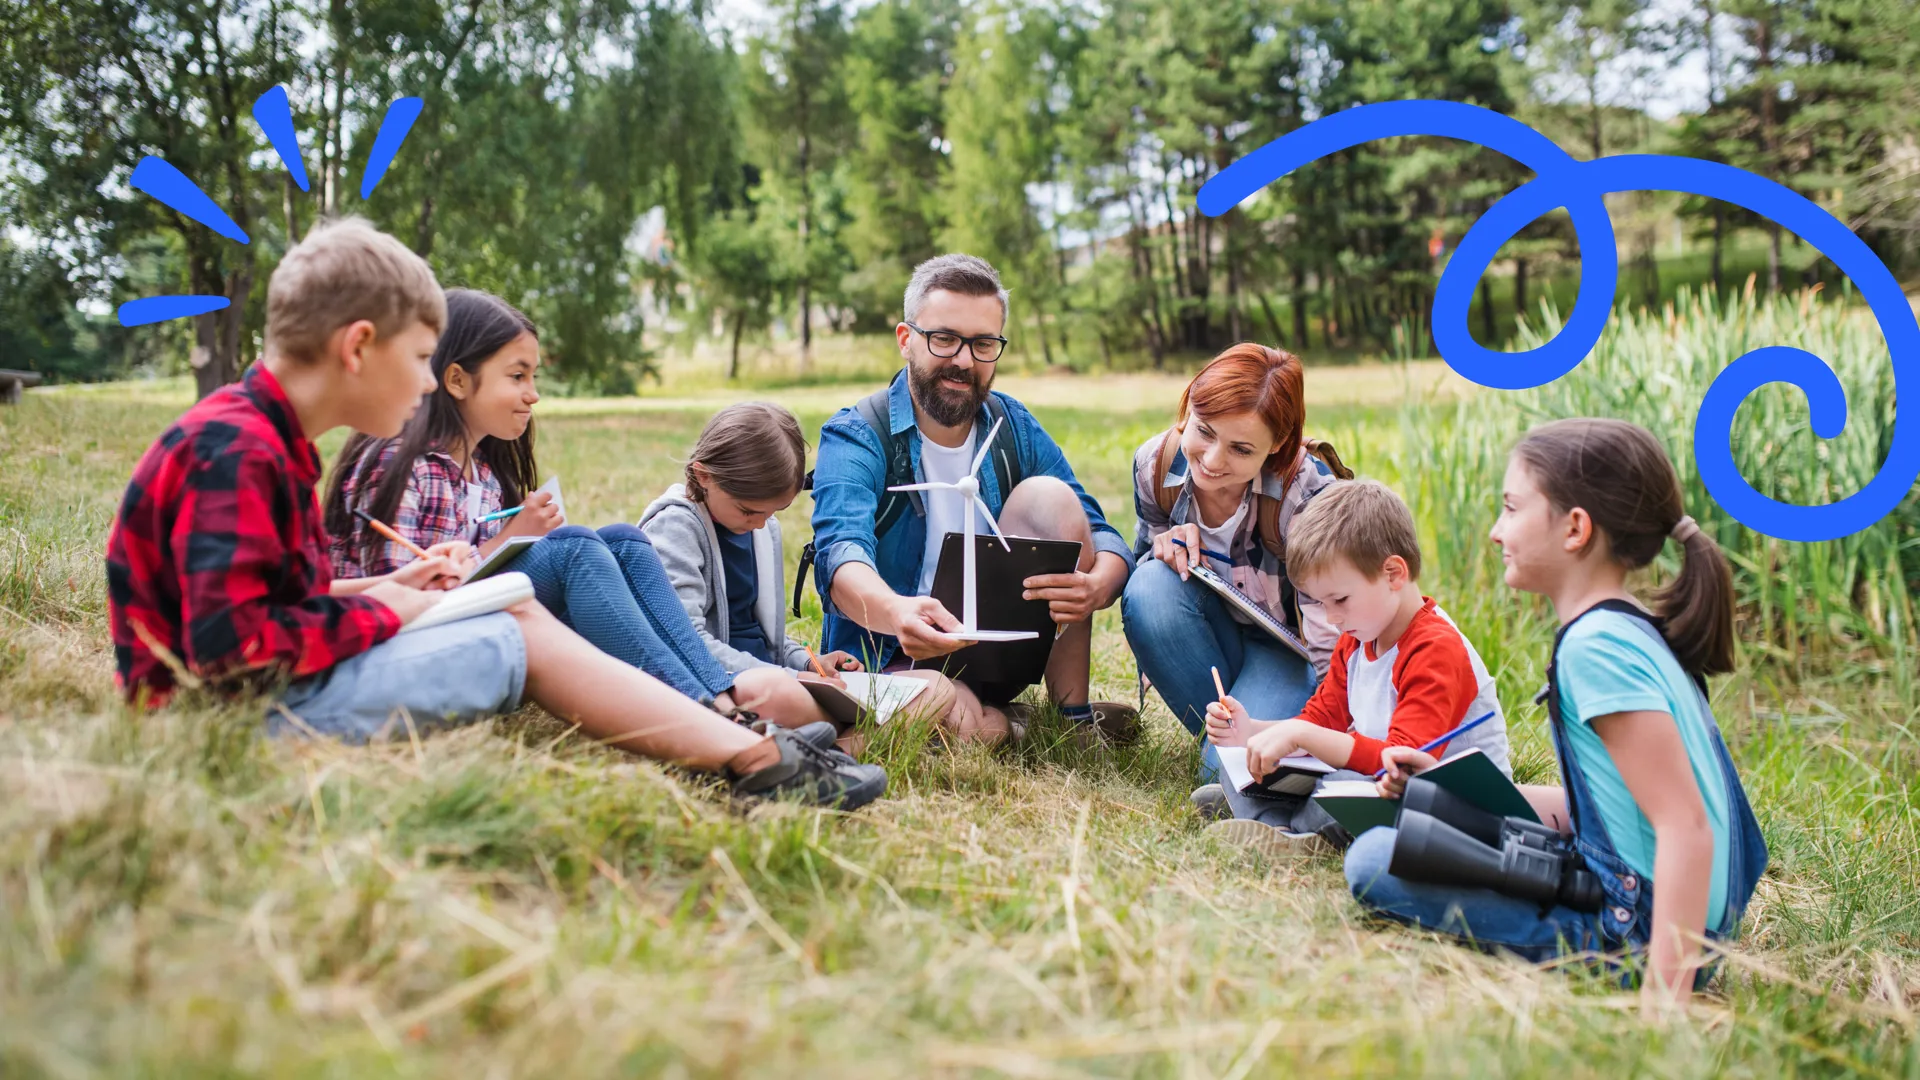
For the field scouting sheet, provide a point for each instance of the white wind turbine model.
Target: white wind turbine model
(968, 488)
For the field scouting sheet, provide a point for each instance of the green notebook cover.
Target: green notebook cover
(1470, 775)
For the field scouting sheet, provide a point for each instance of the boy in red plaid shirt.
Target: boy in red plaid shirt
(217, 565)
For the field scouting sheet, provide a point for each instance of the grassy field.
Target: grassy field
(178, 896)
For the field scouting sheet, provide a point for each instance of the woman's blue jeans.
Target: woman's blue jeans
(1179, 630)
(610, 588)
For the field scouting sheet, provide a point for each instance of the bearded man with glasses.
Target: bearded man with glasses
(875, 556)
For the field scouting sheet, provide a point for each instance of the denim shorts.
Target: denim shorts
(445, 675)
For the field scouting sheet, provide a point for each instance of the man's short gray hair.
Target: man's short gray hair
(967, 275)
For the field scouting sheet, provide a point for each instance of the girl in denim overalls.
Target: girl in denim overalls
(1649, 794)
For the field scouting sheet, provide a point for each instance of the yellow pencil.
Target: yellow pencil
(386, 530)
(815, 661)
(1217, 686)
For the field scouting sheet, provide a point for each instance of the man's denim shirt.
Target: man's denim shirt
(849, 483)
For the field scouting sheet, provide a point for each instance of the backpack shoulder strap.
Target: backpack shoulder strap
(899, 468)
(1324, 450)
(1006, 450)
(1269, 509)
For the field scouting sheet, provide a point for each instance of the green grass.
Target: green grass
(181, 897)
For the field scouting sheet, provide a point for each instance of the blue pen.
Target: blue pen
(1454, 734)
(498, 514)
(1208, 552)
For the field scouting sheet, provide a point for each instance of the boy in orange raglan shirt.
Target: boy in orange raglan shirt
(1402, 673)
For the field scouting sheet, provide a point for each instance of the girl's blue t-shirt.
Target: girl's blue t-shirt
(1609, 664)
(743, 592)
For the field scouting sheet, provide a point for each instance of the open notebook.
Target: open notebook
(882, 695)
(1297, 774)
(1470, 774)
(475, 598)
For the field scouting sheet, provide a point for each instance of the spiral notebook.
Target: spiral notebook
(1245, 605)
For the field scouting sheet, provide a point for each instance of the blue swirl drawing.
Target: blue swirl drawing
(173, 188)
(1561, 181)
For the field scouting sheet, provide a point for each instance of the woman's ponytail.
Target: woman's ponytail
(1619, 474)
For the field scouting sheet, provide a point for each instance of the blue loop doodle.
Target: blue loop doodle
(1579, 186)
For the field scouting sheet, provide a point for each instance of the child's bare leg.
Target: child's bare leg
(972, 721)
(777, 696)
(625, 707)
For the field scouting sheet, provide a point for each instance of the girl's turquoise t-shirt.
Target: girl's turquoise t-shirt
(1609, 664)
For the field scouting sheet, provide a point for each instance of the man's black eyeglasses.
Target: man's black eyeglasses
(946, 344)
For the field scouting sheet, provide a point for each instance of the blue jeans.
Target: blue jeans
(1179, 630)
(1481, 916)
(610, 588)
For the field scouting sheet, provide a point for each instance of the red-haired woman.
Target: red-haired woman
(1219, 489)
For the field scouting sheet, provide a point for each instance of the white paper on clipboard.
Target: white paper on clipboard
(1244, 604)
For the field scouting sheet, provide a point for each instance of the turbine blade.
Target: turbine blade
(986, 447)
(922, 487)
(992, 524)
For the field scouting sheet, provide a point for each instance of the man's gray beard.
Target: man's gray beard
(938, 403)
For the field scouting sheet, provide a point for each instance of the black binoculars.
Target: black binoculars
(1445, 840)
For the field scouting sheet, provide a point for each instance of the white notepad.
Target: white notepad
(1297, 773)
(496, 593)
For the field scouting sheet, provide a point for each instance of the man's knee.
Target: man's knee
(1045, 507)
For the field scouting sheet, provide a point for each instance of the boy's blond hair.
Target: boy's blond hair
(1361, 521)
(344, 271)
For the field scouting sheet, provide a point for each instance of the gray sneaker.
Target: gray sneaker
(1211, 802)
(1273, 843)
(808, 772)
(819, 734)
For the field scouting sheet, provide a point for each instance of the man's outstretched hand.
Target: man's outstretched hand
(918, 622)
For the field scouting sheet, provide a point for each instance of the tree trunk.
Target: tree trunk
(1486, 312)
(733, 361)
(337, 20)
(1719, 240)
(1519, 290)
(1300, 308)
(423, 236)
(1279, 338)
(1763, 46)
(1773, 256)
(806, 222)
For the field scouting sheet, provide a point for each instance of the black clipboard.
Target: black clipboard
(998, 577)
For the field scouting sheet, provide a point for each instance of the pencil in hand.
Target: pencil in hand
(818, 668)
(386, 530)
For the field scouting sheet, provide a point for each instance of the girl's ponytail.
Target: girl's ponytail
(1619, 474)
(1697, 606)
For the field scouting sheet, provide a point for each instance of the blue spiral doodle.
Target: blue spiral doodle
(1561, 181)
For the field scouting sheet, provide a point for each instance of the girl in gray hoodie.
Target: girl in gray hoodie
(719, 542)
